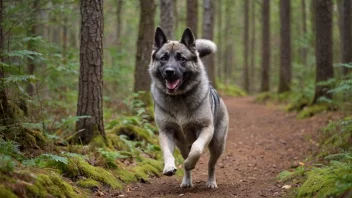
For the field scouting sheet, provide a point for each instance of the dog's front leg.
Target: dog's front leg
(198, 146)
(167, 144)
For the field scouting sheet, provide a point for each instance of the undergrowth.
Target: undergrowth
(331, 175)
(44, 164)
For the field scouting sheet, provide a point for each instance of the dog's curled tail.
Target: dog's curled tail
(205, 47)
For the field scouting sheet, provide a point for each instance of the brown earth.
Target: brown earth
(262, 142)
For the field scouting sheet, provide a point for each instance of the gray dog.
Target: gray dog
(188, 111)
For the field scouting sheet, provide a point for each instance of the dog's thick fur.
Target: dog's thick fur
(188, 111)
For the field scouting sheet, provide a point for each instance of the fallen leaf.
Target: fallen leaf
(286, 187)
(301, 163)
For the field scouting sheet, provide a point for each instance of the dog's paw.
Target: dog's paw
(186, 184)
(211, 185)
(169, 170)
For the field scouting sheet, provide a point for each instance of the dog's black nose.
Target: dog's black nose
(169, 72)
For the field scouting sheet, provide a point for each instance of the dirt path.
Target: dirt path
(262, 142)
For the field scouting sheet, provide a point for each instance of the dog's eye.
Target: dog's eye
(163, 58)
(181, 59)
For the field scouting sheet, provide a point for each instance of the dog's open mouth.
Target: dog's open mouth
(172, 85)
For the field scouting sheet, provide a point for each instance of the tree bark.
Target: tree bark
(304, 32)
(285, 46)
(65, 39)
(31, 46)
(246, 46)
(167, 18)
(144, 46)
(346, 40)
(5, 113)
(220, 35)
(324, 69)
(118, 21)
(208, 33)
(192, 16)
(90, 95)
(229, 52)
(252, 47)
(266, 48)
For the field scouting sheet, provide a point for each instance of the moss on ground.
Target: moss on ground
(134, 133)
(115, 142)
(265, 97)
(78, 167)
(26, 137)
(312, 110)
(88, 183)
(230, 90)
(5, 192)
(51, 184)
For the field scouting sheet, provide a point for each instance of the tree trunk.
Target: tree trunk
(5, 113)
(324, 69)
(31, 46)
(346, 39)
(229, 52)
(192, 16)
(64, 40)
(167, 18)
(208, 33)
(304, 32)
(285, 46)
(245, 46)
(266, 47)
(90, 95)
(118, 21)
(312, 18)
(144, 46)
(252, 47)
(219, 53)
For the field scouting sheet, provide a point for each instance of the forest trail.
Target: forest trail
(262, 142)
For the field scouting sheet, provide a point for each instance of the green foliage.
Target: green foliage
(112, 156)
(336, 137)
(10, 148)
(333, 177)
(51, 184)
(88, 183)
(332, 180)
(5, 192)
(47, 160)
(288, 175)
(23, 53)
(230, 90)
(312, 110)
(7, 164)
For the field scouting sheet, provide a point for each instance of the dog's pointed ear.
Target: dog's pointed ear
(188, 39)
(159, 38)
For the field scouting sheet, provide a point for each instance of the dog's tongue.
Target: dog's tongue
(172, 84)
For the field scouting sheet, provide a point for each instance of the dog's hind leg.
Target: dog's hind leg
(215, 153)
(216, 148)
(167, 144)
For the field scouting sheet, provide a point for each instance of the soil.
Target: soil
(262, 141)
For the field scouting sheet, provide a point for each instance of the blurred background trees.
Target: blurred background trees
(282, 46)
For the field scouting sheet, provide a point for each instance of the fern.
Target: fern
(46, 160)
(19, 78)
(7, 164)
(11, 148)
(23, 54)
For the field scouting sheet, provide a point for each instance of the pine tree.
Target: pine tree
(90, 95)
